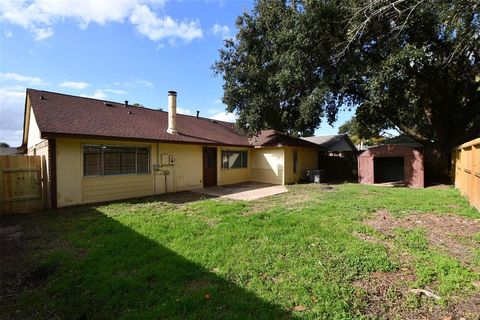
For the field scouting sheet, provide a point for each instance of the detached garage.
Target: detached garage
(391, 164)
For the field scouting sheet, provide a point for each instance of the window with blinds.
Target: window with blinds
(100, 160)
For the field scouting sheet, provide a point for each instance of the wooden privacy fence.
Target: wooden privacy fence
(22, 184)
(466, 170)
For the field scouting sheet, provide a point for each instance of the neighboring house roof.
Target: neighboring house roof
(65, 115)
(9, 151)
(404, 140)
(333, 143)
(272, 138)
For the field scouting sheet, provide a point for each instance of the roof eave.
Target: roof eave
(24, 142)
(47, 135)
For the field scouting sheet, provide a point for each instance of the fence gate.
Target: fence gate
(22, 184)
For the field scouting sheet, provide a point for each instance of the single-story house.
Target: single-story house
(99, 150)
(336, 145)
(337, 156)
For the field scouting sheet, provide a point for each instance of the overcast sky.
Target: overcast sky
(116, 50)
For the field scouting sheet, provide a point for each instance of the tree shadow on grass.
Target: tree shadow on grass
(106, 270)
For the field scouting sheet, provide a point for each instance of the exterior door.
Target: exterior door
(209, 167)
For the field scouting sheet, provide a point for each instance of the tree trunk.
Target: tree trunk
(437, 164)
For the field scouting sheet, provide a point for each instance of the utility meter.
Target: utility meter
(164, 160)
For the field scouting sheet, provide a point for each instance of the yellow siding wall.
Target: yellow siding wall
(116, 187)
(73, 188)
(267, 165)
(230, 176)
(33, 131)
(37, 146)
(188, 170)
(307, 160)
(69, 172)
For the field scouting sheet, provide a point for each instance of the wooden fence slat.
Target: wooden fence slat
(466, 170)
(19, 169)
(21, 184)
(21, 199)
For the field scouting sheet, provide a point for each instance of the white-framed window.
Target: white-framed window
(104, 160)
(232, 159)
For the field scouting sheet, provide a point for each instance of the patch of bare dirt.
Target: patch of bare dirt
(289, 200)
(388, 295)
(384, 295)
(383, 292)
(452, 234)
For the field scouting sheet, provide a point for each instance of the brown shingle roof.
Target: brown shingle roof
(9, 151)
(404, 140)
(272, 138)
(61, 114)
(336, 142)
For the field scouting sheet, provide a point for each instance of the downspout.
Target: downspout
(158, 164)
(52, 159)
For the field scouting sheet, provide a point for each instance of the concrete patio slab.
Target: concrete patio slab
(243, 191)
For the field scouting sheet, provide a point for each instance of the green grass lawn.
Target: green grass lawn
(308, 254)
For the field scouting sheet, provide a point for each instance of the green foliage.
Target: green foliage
(274, 73)
(4, 145)
(156, 259)
(410, 65)
(413, 239)
(361, 133)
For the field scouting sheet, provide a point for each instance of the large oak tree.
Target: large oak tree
(412, 65)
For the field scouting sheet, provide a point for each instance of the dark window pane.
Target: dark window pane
(128, 160)
(92, 161)
(118, 160)
(234, 159)
(111, 161)
(245, 159)
(143, 160)
(224, 159)
(107, 160)
(211, 158)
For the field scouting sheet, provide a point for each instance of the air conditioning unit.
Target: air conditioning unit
(316, 176)
(171, 159)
